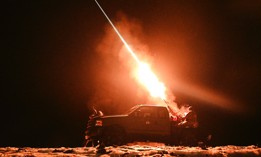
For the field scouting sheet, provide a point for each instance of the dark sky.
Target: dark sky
(207, 53)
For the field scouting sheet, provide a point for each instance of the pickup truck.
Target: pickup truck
(147, 121)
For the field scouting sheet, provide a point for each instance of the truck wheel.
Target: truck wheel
(188, 138)
(113, 136)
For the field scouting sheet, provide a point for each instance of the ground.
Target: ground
(137, 149)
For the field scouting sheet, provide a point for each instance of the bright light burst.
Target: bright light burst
(148, 79)
(145, 75)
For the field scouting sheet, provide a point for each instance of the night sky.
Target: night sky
(57, 61)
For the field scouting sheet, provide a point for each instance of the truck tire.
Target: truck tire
(188, 138)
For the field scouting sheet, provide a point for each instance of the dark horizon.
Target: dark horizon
(54, 70)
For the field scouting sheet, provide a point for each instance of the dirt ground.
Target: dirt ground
(137, 149)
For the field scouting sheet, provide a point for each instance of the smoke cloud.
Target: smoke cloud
(117, 88)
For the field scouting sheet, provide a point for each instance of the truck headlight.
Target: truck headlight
(98, 123)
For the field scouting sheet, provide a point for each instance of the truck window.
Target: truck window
(147, 112)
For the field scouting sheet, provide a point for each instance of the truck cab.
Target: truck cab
(149, 119)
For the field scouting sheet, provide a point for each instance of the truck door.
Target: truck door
(151, 120)
(161, 124)
(141, 120)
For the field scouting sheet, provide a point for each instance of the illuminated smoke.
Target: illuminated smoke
(145, 75)
(142, 71)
